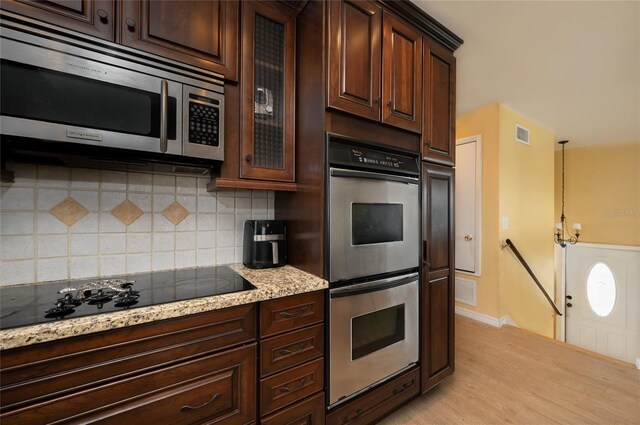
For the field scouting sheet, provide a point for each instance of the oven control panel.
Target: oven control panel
(203, 124)
(358, 156)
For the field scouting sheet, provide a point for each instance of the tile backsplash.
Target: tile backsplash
(67, 223)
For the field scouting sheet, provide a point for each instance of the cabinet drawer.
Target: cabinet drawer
(290, 349)
(285, 314)
(371, 406)
(290, 386)
(45, 371)
(307, 412)
(216, 389)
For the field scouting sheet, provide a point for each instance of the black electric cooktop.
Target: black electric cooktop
(25, 305)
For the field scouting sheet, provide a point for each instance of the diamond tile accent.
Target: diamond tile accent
(127, 212)
(175, 213)
(69, 211)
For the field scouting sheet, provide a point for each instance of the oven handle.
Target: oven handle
(378, 285)
(341, 172)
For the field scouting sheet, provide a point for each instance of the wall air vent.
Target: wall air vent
(522, 134)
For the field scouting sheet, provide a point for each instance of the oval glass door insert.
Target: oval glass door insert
(601, 290)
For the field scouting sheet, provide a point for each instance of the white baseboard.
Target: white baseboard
(507, 320)
(489, 320)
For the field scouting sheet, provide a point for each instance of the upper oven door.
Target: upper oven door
(55, 95)
(373, 223)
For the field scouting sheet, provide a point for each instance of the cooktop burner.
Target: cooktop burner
(24, 305)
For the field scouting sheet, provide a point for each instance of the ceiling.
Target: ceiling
(571, 66)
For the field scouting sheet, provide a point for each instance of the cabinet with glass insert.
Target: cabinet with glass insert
(267, 99)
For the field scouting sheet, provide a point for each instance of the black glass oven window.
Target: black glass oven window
(375, 223)
(374, 331)
(44, 95)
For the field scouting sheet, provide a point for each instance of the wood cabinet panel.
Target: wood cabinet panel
(401, 74)
(43, 371)
(290, 313)
(371, 406)
(290, 386)
(438, 137)
(307, 412)
(290, 349)
(437, 274)
(354, 57)
(199, 33)
(92, 17)
(216, 389)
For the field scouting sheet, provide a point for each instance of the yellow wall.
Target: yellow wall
(602, 192)
(526, 197)
(484, 121)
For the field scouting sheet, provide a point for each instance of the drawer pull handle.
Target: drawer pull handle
(294, 313)
(298, 347)
(402, 388)
(294, 387)
(206, 403)
(347, 419)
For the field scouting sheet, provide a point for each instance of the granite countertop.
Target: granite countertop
(270, 284)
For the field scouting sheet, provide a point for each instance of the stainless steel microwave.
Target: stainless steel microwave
(59, 88)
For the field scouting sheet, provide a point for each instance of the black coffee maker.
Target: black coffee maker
(265, 243)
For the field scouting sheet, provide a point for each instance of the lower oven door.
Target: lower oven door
(373, 333)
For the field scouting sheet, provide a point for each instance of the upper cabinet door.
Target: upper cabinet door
(438, 137)
(267, 92)
(354, 57)
(199, 33)
(401, 75)
(92, 17)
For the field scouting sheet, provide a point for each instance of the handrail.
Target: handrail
(533, 276)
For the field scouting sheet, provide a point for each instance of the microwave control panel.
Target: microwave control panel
(204, 124)
(371, 158)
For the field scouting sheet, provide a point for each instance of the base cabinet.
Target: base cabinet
(437, 291)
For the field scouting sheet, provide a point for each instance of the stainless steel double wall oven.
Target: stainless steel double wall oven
(373, 247)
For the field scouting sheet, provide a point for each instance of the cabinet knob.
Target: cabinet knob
(103, 15)
(390, 104)
(248, 158)
(131, 24)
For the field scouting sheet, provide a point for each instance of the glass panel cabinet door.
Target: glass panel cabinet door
(267, 113)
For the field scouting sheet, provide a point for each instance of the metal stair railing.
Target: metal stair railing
(533, 276)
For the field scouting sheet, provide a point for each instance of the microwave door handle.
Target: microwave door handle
(164, 106)
(274, 252)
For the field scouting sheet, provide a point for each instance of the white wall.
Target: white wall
(35, 246)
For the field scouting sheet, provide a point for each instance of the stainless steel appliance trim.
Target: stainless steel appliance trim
(194, 149)
(268, 238)
(164, 110)
(349, 377)
(274, 252)
(348, 261)
(376, 285)
(341, 172)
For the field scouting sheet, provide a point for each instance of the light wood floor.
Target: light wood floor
(510, 376)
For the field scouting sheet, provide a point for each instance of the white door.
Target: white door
(602, 299)
(467, 193)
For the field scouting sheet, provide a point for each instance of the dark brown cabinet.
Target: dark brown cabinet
(437, 274)
(198, 33)
(92, 17)
(195, 369)
(292, 360)
(354, 56)
(438, 136)
(267, 92)
(374, 65)
(401, 74)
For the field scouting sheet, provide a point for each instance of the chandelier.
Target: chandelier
(562, 236)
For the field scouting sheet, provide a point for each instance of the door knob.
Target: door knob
(569, 305)
(569, 297)
(468, 238)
